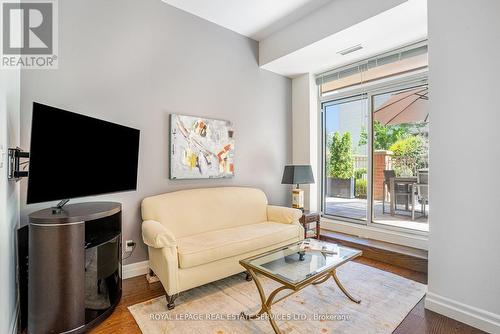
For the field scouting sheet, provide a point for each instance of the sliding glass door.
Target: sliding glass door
(401, 158)
(346, 157)
(375, 157)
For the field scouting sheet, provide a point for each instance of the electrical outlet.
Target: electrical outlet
(129, 245)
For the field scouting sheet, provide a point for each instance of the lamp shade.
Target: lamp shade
(297, 174)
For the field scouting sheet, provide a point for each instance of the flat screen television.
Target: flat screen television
(73, 155)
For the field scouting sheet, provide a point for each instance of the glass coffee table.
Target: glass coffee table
(294, 270)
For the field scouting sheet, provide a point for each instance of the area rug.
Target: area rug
(215, 307)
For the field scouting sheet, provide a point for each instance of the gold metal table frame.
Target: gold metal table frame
(268, 301)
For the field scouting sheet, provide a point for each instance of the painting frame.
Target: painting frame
(200, 148)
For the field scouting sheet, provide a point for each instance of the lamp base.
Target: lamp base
(298, 198)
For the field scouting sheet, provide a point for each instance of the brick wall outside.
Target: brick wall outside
(381, 162)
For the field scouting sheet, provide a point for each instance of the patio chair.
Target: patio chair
(400, 190)
(422, 192)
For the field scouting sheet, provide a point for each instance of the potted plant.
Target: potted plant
(340, 168)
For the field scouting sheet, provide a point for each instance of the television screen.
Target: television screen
(72, 155)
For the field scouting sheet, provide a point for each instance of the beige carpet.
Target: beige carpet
(214, 308)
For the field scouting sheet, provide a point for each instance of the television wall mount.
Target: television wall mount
(16, 170)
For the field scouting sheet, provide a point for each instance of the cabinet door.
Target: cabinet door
(56, 291)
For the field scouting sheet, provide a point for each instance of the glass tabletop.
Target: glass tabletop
(292, 265)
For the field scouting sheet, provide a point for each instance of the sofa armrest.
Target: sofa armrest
(284, 215)
(155, 235)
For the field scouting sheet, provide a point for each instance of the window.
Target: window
(375, 143)
(346, 157)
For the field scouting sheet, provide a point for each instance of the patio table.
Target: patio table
(404, 180)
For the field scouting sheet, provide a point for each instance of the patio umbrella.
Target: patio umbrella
(405, 107)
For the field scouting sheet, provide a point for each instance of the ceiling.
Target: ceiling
(396, 27)
(256, 19)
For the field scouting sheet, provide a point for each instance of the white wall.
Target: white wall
(305, 126)
(9, 199)
(464, 243)
(134, 63)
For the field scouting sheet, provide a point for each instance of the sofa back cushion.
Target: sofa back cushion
(189, 212)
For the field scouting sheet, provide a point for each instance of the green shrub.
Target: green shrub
(358, 173)
(341, 164)
(360, 188)
(385, 135)
(408, 155)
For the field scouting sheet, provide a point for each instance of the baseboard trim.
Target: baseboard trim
(475, 317)
(135, 269)
(376, 233)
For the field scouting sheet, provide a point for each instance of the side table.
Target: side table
(310, 220)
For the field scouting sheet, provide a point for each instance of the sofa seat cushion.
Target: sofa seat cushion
(211, 246)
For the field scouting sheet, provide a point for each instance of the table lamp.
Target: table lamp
(297, 174)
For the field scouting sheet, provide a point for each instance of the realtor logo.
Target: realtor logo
(29, 34)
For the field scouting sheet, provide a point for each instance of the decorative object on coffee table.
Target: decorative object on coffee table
(294, 270)
(200, 148)
(297, 174)
(310, 220)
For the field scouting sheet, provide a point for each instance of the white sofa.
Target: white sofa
(198, 236)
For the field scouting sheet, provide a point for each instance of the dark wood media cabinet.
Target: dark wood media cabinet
(75, 269)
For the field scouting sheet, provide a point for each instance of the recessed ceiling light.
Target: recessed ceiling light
(350, 49)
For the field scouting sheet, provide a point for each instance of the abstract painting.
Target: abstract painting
(200, 148)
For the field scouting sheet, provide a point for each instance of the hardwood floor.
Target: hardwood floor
(418, 321)
(135, 290)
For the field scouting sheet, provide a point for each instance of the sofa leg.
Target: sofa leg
(171, 301)
(248, 277)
